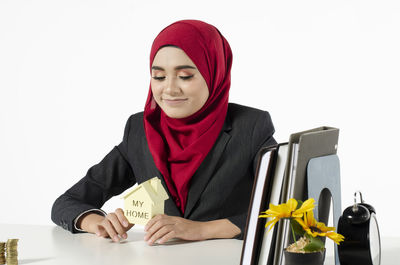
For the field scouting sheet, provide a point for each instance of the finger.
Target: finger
(167, 237)
(159, 234)
(112, 217)
(100, 231)
(152, 221)
(107, 225)
(121, 217)
(162, 221)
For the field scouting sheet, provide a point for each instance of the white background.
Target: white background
(72, 72)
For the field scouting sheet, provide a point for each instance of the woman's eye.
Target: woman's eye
(159, 78)
(186, 77)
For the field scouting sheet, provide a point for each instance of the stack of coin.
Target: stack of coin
(12, 253)
(2, 252)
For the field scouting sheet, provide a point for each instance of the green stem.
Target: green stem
(294, 237)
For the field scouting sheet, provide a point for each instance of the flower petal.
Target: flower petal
(271, 223)
(292, 204)
(337, 238)
(323, 228)
(307, 206)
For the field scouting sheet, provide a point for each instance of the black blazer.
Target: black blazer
(220, 188)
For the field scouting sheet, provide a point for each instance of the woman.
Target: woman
(202, 148)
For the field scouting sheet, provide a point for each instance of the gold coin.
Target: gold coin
(12, 242)
(11, 249)
(11, 261)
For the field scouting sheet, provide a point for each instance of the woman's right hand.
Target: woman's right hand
(113, 225)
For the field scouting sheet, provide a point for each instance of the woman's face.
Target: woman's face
(177, 85)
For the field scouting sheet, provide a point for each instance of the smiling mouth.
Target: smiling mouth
(175, 101)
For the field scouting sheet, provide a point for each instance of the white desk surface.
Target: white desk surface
(53, 245)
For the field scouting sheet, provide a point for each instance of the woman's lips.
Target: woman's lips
(174, 102)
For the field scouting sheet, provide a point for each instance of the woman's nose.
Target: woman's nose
(173, 87)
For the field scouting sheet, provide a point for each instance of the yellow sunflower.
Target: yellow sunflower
(314, 228)
(286, 210)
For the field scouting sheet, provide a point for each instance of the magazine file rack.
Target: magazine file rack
(323, 184)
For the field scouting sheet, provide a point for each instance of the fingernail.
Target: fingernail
(125, 236)
(97, 234)
(125, 223)
(116, 238)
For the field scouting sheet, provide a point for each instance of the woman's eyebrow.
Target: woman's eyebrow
(179, 67)
(157, 68)
(184, 67)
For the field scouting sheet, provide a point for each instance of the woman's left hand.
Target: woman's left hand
(164, 227)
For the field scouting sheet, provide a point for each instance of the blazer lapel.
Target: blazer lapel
(170, 207)
(206, 169)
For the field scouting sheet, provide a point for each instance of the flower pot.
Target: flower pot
(312, 258)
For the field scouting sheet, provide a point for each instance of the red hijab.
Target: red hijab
(178, 146)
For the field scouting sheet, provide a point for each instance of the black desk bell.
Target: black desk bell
(362, 244)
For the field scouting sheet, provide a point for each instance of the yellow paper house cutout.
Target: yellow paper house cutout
(145, 201)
